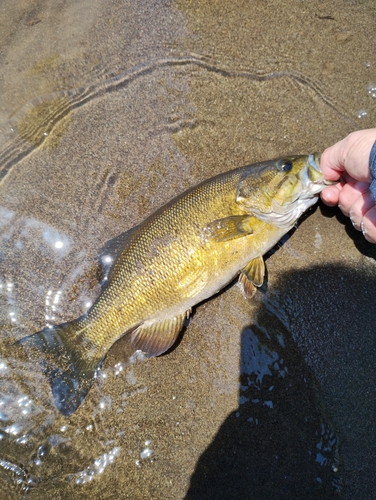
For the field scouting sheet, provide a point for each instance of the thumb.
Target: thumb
(351, 155)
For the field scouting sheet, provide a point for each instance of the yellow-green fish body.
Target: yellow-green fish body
(182, 254)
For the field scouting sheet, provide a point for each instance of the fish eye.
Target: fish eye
(286, 166)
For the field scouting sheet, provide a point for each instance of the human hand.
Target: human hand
(348, 162)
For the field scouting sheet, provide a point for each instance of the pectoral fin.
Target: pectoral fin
(252, 276)
(156, 338)
(229, 228)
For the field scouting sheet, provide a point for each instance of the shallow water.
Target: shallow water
(108, 110)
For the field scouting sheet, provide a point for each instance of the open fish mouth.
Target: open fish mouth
(312, 178)
(311, 183)
(313, 161)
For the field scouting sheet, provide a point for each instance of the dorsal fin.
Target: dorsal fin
(109, 252)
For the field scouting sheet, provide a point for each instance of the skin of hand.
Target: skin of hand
(347, 162)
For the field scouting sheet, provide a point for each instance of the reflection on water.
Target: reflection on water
(97, 468)
(108, 110)
(32, 431)
(372, 90)
(14, 480)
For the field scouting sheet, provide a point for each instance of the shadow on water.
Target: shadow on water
(307, 362)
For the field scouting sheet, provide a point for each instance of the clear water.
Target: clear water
(107, 111)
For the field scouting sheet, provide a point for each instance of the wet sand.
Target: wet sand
(263, 399)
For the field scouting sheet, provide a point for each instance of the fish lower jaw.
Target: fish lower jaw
(287, 219)
(312, 189)
(326, 183)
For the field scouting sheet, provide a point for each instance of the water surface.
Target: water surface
(107, 111)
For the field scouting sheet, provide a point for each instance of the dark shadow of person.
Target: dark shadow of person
(308, 354)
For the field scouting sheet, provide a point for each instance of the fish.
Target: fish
(179, 256)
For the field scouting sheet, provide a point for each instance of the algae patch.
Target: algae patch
(44, 118)
(44, 65)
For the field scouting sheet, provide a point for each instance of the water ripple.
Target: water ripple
(32, 124)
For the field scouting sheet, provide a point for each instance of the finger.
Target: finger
(346, 177)
(330, 195)
(369, 225)
(332, 161)
(359, 208)
(350, 193)
(350, 154)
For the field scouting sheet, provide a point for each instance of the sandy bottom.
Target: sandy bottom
(107, 111)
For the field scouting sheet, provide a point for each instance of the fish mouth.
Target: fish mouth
(312, 178)
(311, 183)
(329, 183)
(313, 162)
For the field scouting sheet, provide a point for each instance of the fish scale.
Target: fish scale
(182, 254)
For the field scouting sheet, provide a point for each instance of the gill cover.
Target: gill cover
(280, 183)
(282, 190)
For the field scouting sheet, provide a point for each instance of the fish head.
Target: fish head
(279, 191)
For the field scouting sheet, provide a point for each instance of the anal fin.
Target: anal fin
(156, 338)
(109, 253)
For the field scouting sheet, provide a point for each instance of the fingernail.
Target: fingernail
(364, 231)
(365, 234)
(355, 224)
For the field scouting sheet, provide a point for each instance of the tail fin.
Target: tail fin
(64, 361)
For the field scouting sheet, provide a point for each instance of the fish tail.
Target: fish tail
(69, 361)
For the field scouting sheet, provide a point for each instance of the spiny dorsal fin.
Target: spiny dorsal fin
(157, 338)
(110, 251)
(229, 228)
(254, 271)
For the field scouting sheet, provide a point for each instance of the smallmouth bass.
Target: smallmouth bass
(185, 252)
